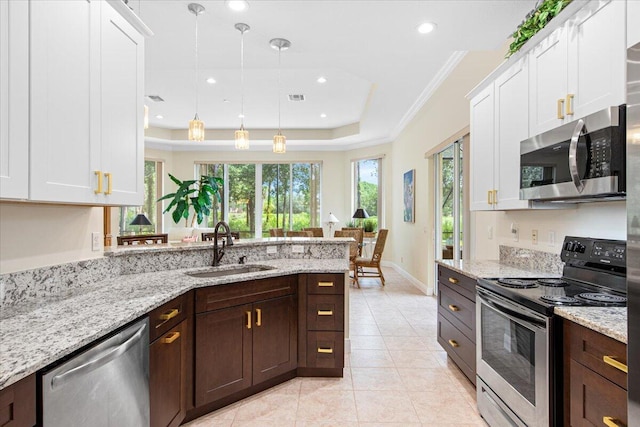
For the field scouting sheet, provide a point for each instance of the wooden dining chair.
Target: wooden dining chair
(276, 232)
(364, 266)
(143, 239)
(361, 237)
(316, 231)
(293, 233)
(353, 248)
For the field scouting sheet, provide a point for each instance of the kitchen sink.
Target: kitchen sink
(228, 271)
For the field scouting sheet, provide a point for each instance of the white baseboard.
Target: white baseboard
(415, 282)
(347, 345)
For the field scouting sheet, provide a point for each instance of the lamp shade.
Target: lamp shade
(140, 219)
(332, 219)
(360, 213)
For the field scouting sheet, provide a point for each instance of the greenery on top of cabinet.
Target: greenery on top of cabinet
(535, 20)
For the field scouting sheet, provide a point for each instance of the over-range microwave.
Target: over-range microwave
(579, 161)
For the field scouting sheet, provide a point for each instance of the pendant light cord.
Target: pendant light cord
(279, 73)
(196, 79)
(242, 80)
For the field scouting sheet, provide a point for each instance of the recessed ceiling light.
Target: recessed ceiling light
(323, 115)
(237, 5)
(211, 80)
(322, 80)
(159, 116)
(427, 27)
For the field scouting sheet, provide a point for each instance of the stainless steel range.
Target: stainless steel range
(518, 354)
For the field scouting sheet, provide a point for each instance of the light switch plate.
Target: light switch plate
(297, 249)
(272, 249)
(96, 243)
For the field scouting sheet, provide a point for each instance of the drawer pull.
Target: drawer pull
(169, 314)
(454, 307)
(325, 350)
(569, 104)
(560, 108)
(109, 183)
(325, 284)
(612, 422)
(616, 364)
(325, 312)
(489, 201)
(98, 174)
(454, 343)
(248, 313)
(259, 317)
(453, 280)
(171, 337)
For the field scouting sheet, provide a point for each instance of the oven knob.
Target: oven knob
(580, 248)
(568, 246)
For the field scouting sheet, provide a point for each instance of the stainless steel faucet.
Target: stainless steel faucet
(228, 241)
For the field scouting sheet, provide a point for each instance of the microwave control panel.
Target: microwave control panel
(599, 160)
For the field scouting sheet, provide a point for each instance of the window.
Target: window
(289, 196)
(449, 192)
(150, 207)
(368, 189)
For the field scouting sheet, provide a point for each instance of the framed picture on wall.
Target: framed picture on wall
(408, 192)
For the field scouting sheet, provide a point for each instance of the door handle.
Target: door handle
(325, 312)
(109, 182)
(560, 108)
(258, 317)
(99, 176)
(454, 307)
(609, 360)
(248, 313)
(569, 104)
(169, 314)
(573, 156)
(454, 343)
(325, 350)
(171, 337)
(453, 280)
(495, 197)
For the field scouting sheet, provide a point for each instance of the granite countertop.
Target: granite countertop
(609, 321)
(493, 269)
(35, 335)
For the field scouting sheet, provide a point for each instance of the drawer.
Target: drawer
(458, 310)
(325, 349)
(594, 397)
(594, 350)
(167, 316)
(459, 348)
(18, 403)
(325, 284)
(460, 283)
(231, 295)
(325, 313)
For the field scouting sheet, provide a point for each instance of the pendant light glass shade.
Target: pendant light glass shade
(196, 129)
(279, 143)
(242, 135)
(196, 126)
(242, 139)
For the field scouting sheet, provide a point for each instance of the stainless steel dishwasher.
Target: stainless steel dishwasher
(105, 386)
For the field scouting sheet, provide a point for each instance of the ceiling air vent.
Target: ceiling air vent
(155, 98)
(296, 98)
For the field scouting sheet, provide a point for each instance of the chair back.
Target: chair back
(379, 248)
(292, 233)
(360, 239)
(143, 239)
(208, 236)
(315, 231)
(276, 232)
(353, 246)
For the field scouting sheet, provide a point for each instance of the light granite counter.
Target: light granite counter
(609, 321)
(476, 269)
(54, 320)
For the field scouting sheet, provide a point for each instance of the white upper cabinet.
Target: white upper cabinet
(14, 99)
(633, 27)
(579, 68)
(482, 145)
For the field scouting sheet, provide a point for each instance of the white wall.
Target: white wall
(38, 235)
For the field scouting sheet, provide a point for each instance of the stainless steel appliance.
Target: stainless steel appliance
(578, 161)
(107, 385)
(633, 233)
(518, 362)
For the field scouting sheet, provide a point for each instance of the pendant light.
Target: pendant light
(279, 140)
(196, 126)
(242, 136)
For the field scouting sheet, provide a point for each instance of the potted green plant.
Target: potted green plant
(369, 225)
(193, 195)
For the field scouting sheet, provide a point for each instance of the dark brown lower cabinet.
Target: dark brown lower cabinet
(18, 403)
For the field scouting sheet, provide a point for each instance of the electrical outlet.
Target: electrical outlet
(96, 241)
(552, 238)
(272, 250)
(514, 232)
(534, 237)
(297, 249)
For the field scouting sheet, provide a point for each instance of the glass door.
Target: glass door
(449, 202)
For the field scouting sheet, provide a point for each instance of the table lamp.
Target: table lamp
(360, 214)
(331, 222)
(140, 220)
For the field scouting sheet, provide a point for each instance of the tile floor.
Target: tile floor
(396, 375)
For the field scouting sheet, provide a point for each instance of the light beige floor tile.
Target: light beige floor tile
(427, 379)
(326, 424)
(376, 379)
(363, 329)
(371, 359)
(404, 343)
(368, 342)
(320, 383)
(276, 405)
(442, 407)
(390, 425)
(263, 423)
(413, 359)
(404, 330)
(327, 406)
(376, 406)
(222, 417)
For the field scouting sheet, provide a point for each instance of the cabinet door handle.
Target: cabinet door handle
(325, 284)
(454, 307)
(609, 360)
(99, 177)
(325, 350)
(495, 197)
(489, 202)
(569, 104)
(325, 312)
(248, 313)
(258, 317)
(171, 338)
(169, 314)
(453, 280)
(109, 182)
(560, 108)
(612, 422)
(454, 343)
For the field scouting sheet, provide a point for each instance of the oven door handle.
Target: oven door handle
(510, 312)
(573, 156)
